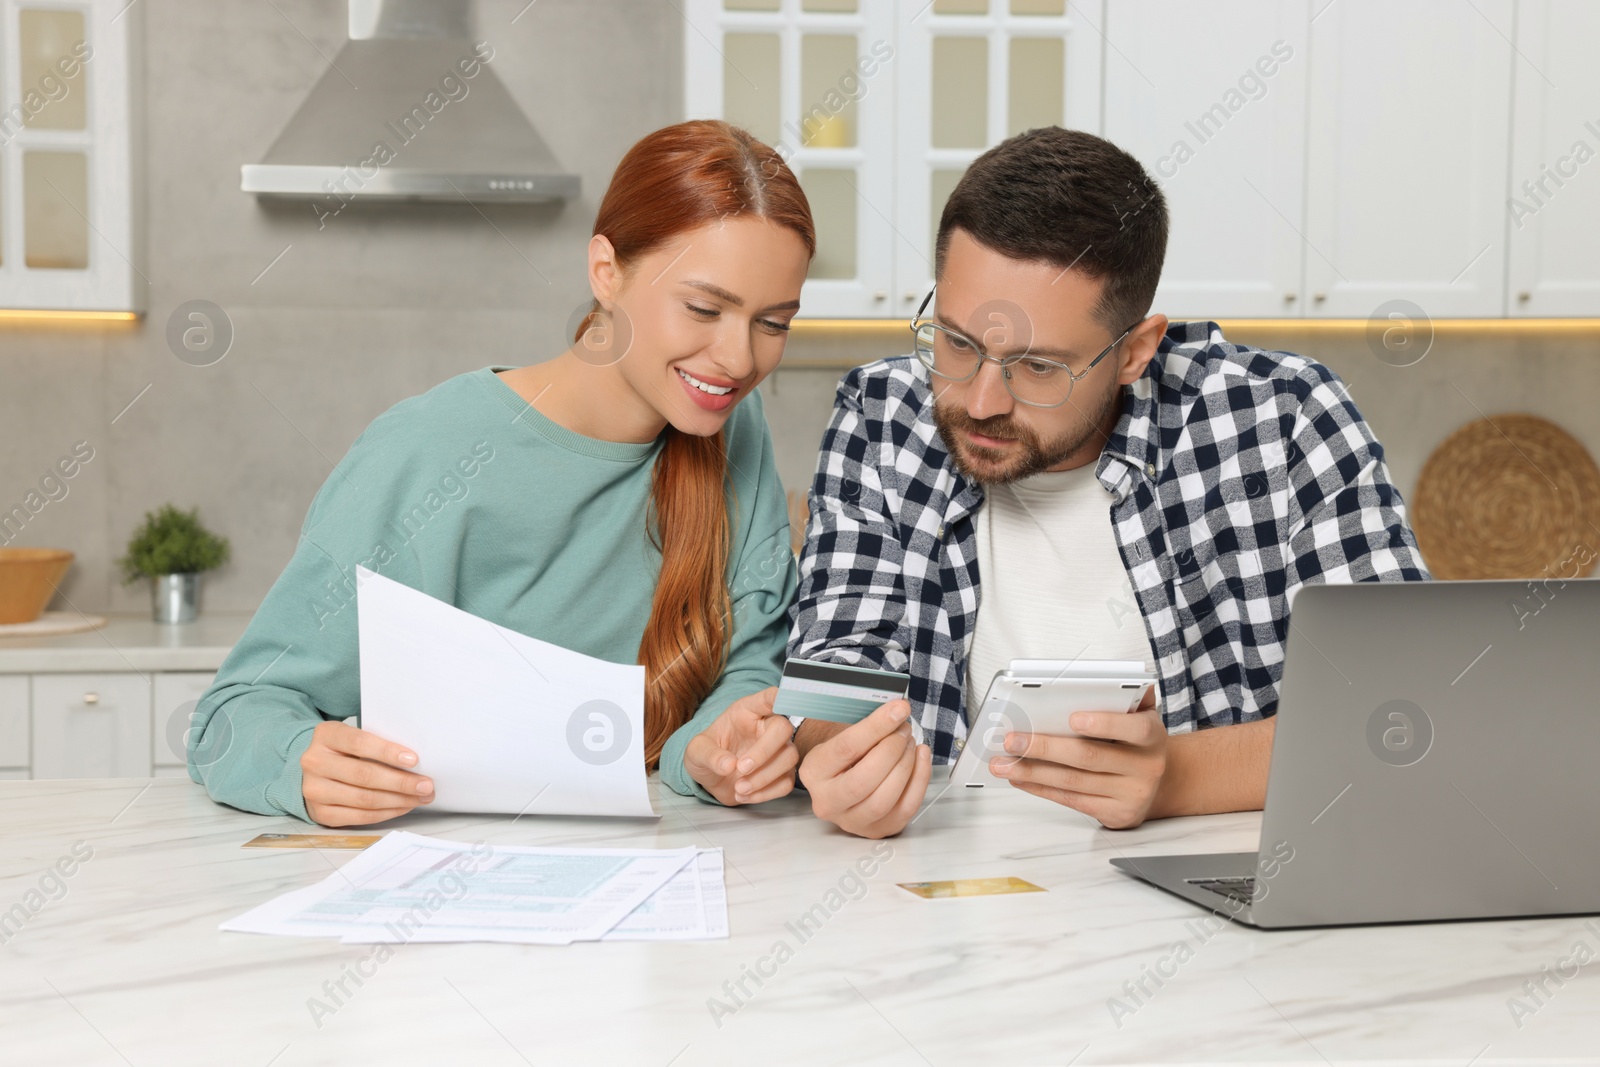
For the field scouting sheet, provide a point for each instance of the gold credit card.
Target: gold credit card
(970, 887)
(349, 841)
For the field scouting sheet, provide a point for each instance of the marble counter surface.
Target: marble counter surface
(129, 643)
(122, 963)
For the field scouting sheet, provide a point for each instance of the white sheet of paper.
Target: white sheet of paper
(503, 723)
(714, 890)
(693, 906)
(411, 888)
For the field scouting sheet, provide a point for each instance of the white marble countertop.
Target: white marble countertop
(127, 965)
(129, 642)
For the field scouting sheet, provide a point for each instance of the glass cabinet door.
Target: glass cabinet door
(46, 125)
(814, 79)
(974, 73)
(879, 106)
(66, 200)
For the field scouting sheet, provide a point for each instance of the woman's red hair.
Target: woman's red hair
(677, 179)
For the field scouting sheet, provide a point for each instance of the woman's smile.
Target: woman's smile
(713, 394)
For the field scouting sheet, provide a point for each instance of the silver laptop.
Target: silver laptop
(1437, 756)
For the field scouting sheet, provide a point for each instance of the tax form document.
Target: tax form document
(503, 723)
(693, 906)
(412, 888)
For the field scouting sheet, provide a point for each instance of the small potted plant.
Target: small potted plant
(172, 549)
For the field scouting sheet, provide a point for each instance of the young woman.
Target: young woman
(619, 499)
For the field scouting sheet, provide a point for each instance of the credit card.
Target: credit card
(834, 692)
(970, 887)
(345, 841)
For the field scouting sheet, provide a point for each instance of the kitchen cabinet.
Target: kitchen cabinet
(1224, 139)
(971, 74)
(1553, 207)
(1320, 160)
(879, 108)
(15, 709)
(1324, 159)
(816, 83)
(175, 694)
(1406, 157)
(108, 703)
(91, 725)
(68, 169)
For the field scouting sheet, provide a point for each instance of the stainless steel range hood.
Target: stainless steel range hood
(398, 116)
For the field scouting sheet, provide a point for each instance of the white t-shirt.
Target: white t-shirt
(1051, 583)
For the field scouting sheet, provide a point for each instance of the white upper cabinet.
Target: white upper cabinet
(1407, 150)
(1222, 132)
(1321, 158)
(1553, 207)
(68, 239)
(879, 107)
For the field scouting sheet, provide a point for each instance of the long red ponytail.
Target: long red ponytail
(676, 179)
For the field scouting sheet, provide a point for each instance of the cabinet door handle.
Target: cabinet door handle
(91, 698)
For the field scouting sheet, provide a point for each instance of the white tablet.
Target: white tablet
(1039, 696)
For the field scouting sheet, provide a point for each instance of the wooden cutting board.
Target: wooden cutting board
(53, 622)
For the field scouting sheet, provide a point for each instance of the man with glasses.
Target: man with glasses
(1056, 473)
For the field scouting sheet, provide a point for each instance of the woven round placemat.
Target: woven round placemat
(1509, 496)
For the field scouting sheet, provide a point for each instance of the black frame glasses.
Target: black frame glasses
(924, 351)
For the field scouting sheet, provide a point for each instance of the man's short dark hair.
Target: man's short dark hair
(1071, 199)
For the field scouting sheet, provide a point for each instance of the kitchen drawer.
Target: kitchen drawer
(14, 720)
(91, 726)
(176, 693)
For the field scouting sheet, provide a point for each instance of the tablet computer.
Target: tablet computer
(1039, 696)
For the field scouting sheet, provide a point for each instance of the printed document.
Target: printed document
(503, 723)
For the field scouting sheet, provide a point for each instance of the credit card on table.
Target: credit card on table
(970, 887)
(834, 692)
(345, 841)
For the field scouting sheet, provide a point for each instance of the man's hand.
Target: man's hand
(350, 777)
(1111, 773)
(746, 755)
(869, 777)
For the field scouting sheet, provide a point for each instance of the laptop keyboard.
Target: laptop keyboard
(1241, 889)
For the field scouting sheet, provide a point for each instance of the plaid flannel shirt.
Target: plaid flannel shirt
(1236, 474)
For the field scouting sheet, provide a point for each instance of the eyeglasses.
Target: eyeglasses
(1031, 380)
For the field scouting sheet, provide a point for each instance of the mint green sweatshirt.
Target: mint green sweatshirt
(470, 495)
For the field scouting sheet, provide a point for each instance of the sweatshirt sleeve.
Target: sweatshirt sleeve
(761, 582)
(296, 663)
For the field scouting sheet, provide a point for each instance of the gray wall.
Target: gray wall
(382, 304)
(378, 305)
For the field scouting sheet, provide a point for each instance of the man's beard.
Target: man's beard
(1030, 455)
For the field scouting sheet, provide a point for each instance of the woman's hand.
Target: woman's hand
(746, 755)
(350, 777)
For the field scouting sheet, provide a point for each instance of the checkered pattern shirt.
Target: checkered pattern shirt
(1236, 475)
